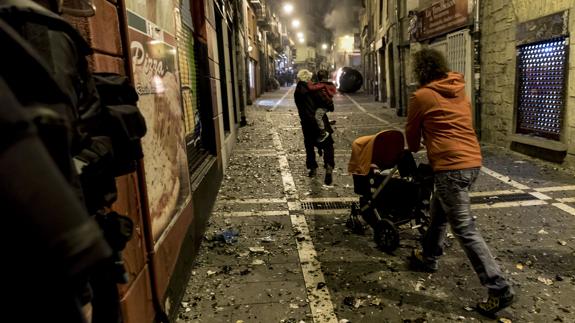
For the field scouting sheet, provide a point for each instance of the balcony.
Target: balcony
(264, 18)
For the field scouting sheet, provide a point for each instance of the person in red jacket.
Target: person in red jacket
(325, 92)
(440, 113)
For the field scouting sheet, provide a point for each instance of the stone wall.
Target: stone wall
(499, 20)
(497, 70)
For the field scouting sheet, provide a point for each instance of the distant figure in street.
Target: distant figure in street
(440, 113)
(325, 91)
(305, 101)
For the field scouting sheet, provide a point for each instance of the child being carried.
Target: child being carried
(325, 92)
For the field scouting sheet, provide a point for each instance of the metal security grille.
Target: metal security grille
(456, 51)
(541, 87)
(186, 67)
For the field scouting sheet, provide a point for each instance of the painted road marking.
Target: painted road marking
(542, 197)
(254, 201)
(256, 152)
(334, 155)
(505, 179)
(556, 188)
(565, 208)
(362, 109)
(274, 154)
(507, 204)
(243, 214)
(287, 178)
(319, 298)
(494, 193)
(280, 100)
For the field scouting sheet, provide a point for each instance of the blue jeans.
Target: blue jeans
(450, 204)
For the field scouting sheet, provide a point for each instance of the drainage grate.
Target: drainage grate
(502, 198)
(474, 200)
(326, 205)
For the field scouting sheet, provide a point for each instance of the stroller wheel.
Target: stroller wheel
(386, 236)
(423, 214)
(354, 223)
(423, 220)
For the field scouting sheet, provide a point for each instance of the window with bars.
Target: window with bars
(541, 70)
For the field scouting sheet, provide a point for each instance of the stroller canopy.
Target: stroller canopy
(383, 149)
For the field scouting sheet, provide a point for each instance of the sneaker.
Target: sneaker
(323, 136)
(418, 263)
(496, 302)
(328, 176)
(312, 172)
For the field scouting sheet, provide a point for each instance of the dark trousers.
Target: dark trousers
(310, 134)
(450, 205)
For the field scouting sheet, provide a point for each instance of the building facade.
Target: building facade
(496, 45)
(528, 77)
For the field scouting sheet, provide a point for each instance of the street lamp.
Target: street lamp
(295, 23)
(288, 8)
(301, 40)
(324, 46)
(299, 34)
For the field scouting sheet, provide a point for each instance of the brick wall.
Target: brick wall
(103, 33)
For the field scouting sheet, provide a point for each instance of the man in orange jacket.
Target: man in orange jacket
(440, 113)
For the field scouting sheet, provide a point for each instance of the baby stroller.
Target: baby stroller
(393, 189)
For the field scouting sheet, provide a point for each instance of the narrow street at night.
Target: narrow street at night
(287, 161)
(277, 248)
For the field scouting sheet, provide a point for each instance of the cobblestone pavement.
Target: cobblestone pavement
(277, 248)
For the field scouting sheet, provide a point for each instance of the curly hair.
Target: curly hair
(429, 65)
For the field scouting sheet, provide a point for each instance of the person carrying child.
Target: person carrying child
(325, 91)
(306, 102)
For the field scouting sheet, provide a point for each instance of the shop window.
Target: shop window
(541, 71)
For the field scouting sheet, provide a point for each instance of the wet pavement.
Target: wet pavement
(277, 248)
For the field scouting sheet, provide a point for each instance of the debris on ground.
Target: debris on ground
(545, 281)
(237, 276)
(229, 236)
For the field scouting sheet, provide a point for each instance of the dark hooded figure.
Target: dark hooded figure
(53, 245)
(306, 103)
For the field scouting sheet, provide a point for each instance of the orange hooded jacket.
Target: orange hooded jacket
(440, 112)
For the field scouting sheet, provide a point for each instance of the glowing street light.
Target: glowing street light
(301, 40)
(299, 34)
(296, 23)
(324, 46)
(288, 8)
